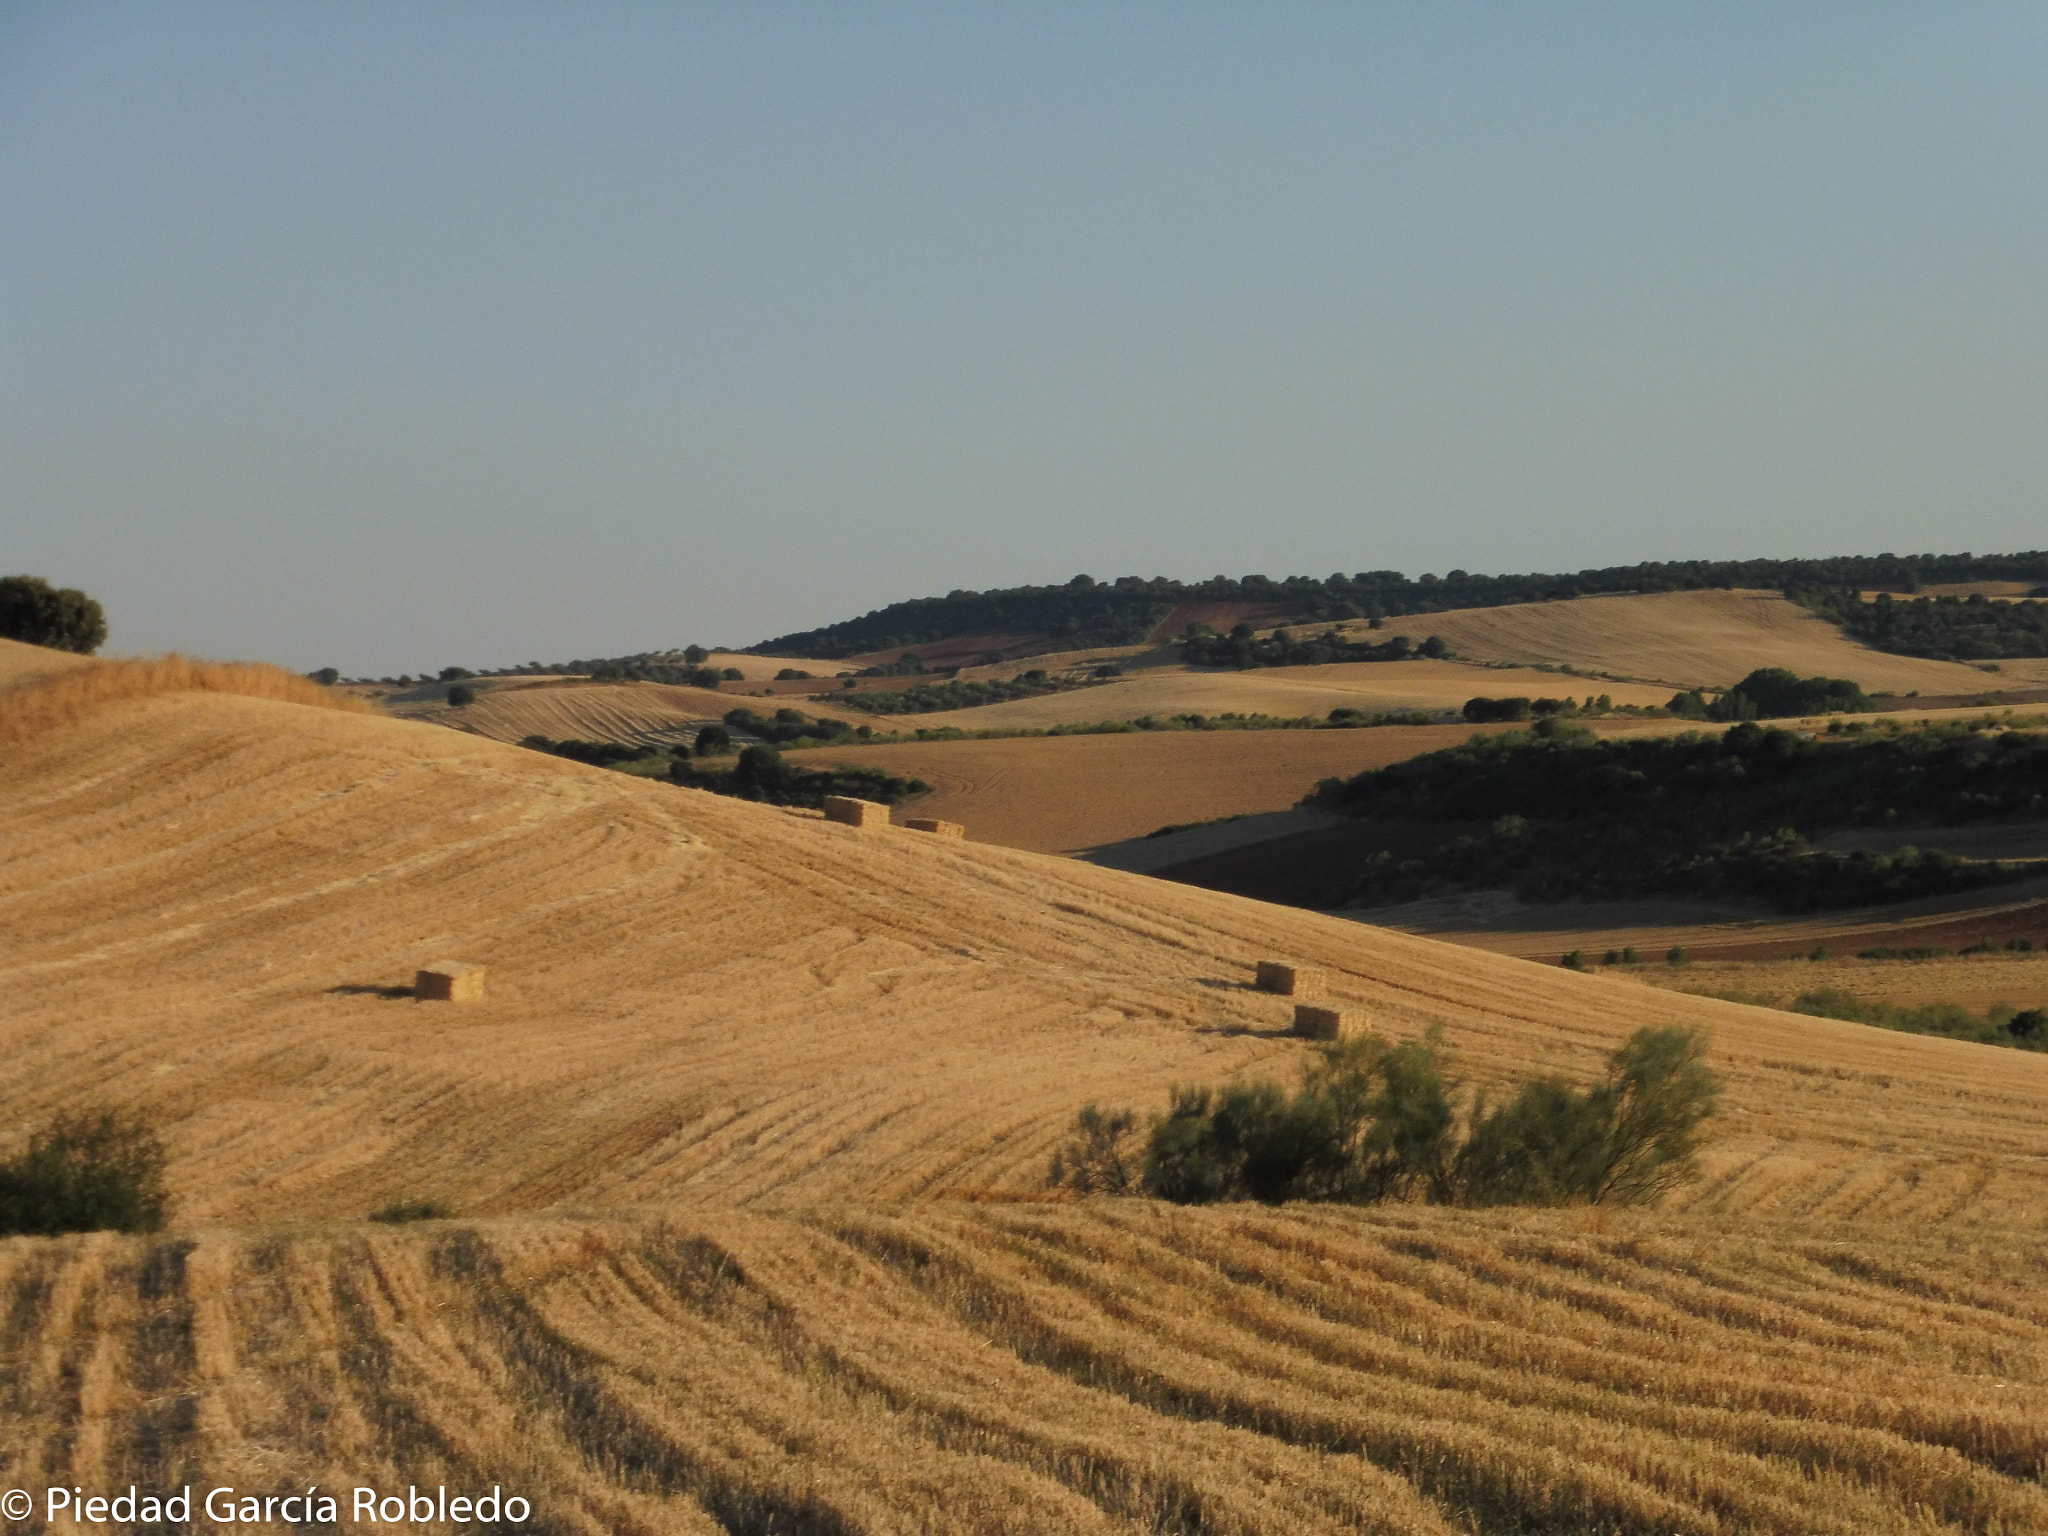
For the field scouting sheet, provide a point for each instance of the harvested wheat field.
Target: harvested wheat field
(728, 1137)
(633, 713)
(1290, 692)
(1697, 639)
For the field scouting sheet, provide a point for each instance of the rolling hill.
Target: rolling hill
(1705, 640)
(745, 1144)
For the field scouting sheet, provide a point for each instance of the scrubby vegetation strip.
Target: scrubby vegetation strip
(2000, 1024)
(931, 698)
(1202, 646)
(1568, 814)
(1944, 628)
(760, 773)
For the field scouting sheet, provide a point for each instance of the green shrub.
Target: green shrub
(712, 740)
(93, 1171)
(326, 677)
(1478, 710)
(401, 1211)
(1628, 1140)
(762, 773)
(1374, 1122)
(1574, 961)
(1097, 1160)
(461, 695)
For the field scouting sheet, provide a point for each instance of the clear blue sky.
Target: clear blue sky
(395, 336)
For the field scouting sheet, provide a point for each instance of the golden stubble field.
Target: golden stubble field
(640, 714)
(730, 1140)
(1289, 692)
(1700, 639)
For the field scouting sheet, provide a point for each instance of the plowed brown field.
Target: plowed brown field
(709, 1135)
(1062, 794)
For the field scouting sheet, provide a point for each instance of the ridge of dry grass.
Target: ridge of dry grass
(44, 703)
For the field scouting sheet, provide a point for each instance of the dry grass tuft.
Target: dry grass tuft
(45, 703)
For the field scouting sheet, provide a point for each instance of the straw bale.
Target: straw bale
(1315, 1023)
(936, 827)
(1292, 980)
(856, 813)
(449, 981)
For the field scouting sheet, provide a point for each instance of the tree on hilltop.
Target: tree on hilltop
(62, 618)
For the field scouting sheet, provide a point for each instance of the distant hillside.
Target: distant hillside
(1127, 610)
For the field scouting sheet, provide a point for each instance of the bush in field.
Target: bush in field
(326, 677)
(398, 1212)
(1628, 1140)
(1372, 1121)
(1484, 709)
(1098, 1160)
(461, 695)
(93, 1171)
(763, 774)
(712, 740)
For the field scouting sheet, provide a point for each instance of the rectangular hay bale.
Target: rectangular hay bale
(935, 827)
(1292, 980)
(856, 813)
(1313, 1023)
(449, 981)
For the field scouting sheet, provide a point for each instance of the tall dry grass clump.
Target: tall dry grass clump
(42, 704)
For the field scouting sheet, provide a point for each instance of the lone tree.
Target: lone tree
(63, 618)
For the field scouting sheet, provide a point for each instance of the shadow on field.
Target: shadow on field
(389, 994)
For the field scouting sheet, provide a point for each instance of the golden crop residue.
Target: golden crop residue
(1092, 1368)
